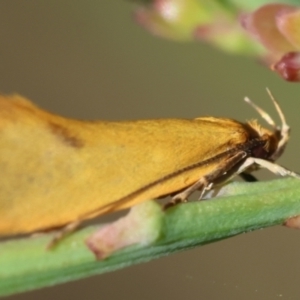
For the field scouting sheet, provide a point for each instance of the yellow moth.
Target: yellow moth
(57, 172)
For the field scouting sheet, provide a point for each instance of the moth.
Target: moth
(57, 172)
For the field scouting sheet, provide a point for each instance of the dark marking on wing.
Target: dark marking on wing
(65, 135)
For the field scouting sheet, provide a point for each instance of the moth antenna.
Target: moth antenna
(284, 130)
(264, 114)
(279, 111)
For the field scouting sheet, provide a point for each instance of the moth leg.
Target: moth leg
(202, 184)
(65, 231)
(272, 167)
(206, 182)
(248, 177)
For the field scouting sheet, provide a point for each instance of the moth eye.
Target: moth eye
(259, 152)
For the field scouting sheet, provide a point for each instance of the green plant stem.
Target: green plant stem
(25, 264)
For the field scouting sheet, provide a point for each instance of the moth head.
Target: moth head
(277, 138)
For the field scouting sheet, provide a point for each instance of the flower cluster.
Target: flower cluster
(271, 32)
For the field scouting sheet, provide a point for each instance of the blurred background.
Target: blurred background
(89, 60)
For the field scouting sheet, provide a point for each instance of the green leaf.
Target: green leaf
(25, 264)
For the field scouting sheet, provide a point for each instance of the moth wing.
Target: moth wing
(57, 170)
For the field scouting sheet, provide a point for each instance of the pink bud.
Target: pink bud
(288, 67)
